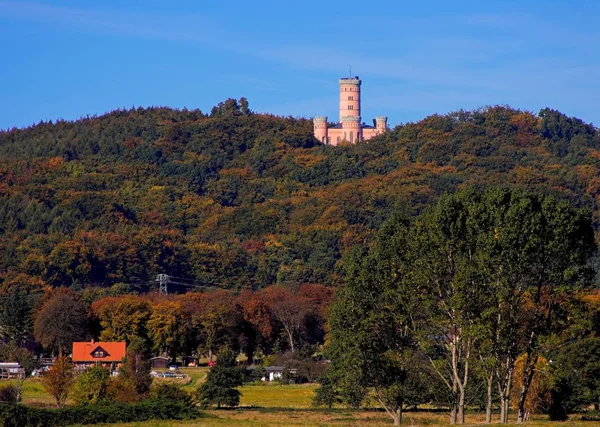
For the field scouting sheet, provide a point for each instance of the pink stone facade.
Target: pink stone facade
(350, 128)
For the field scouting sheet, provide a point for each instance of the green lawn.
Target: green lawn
(277, 396)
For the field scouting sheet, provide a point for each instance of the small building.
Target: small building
(106, 354)
(190, 361)
(159, 362)
(10, 370)
(276, 372)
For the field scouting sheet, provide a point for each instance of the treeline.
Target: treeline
(484, 299)
(240, 200)
(273, 320)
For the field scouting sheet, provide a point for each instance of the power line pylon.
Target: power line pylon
(163, 280)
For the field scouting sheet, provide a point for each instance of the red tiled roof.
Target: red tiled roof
(84, 351)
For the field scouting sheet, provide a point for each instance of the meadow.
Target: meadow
(272, 405)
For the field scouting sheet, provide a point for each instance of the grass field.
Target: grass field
(271, 405)
(325, 418)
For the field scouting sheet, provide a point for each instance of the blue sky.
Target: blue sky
(67, 59)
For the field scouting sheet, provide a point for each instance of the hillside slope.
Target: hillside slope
(236, 199)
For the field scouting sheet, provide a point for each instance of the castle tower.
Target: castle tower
(350, 97)
(381, 124)
(320, 128)
(350, 127)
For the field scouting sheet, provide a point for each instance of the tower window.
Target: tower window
(350, 98)
(350, 107)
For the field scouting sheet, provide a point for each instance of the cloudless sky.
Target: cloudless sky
(67, 58)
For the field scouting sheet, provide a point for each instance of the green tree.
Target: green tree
(371, 345)
(16, 318)
(134, 378)
(575, 377)
(220, 387)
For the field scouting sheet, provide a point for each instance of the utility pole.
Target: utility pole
(163, 280)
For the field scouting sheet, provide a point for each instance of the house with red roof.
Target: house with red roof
(103, 353)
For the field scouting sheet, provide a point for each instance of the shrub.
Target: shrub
(91, 386)
(591, 416)
(114, 412)
(171, 392)
(9, 394)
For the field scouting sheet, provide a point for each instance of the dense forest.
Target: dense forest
(240, 200)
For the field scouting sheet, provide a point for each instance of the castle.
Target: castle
(350, 128)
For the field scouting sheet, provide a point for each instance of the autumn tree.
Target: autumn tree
(216, 317)
(168, 326)
(59, 380)
(122, 318)
(289, 309)
(60, 321)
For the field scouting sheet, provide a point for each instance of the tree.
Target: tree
(216, 317)
(60, 321)
(59, 380)
(167, 326)
(220, 387)
(134, 378)
(575, 377)
(25, 358)
(91, 386)
(441, 270)
(289, 309)
(122, 318)
(327, 394)
(537, 249)
(371, 344)
(16, 318)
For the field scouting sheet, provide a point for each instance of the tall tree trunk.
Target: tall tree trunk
(461, 406)
(504, 386)
(398, 416)
(291, 339)
(528, 372)
(488, 402)
(454, 405)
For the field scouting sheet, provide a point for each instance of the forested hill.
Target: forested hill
(236, 199)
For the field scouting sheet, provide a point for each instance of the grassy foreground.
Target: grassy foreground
(273, 405)
(325, 418)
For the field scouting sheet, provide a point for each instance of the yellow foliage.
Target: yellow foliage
(308, 160)
(538, 397)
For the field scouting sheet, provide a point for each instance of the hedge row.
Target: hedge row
(591, 416)
(23, 416)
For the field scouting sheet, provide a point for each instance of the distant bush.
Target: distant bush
(9, 394)
(591, 416)
(170, 392)
(23, 416)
